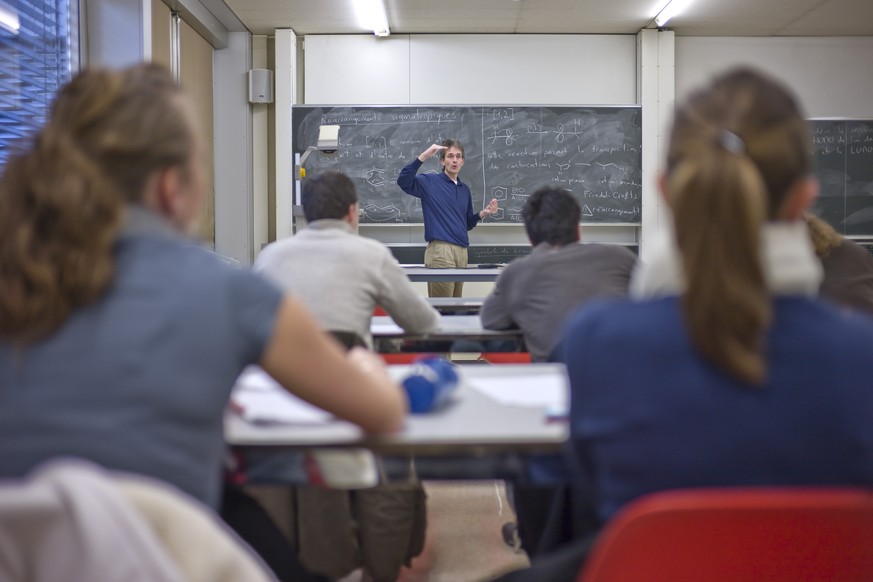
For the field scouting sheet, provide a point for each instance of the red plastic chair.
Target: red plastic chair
(506, 357)
(738, 535)
(400, 357)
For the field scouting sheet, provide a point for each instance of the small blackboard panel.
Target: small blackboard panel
(476, 254)
(496, 254)
(843, 164)
(408, 255)
(595, 152)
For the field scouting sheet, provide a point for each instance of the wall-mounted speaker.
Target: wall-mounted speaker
(260, 86)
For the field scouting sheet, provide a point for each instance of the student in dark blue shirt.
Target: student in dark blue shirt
(447, 206)
(730, 372)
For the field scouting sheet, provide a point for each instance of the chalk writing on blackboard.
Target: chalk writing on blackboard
(510, 152)
(843, 164)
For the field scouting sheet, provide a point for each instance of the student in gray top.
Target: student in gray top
(538, 292)
(340, 276)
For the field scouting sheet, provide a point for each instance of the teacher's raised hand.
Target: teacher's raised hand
(490, 209)
(430, 152)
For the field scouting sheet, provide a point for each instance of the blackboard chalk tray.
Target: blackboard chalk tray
(470, 274)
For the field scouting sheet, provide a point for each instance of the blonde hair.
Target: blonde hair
(62, 198)
(736, 150)
(823, 236)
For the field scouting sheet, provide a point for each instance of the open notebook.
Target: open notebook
(527, 387)
(259, 399)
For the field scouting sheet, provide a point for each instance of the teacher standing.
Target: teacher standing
(447, 206)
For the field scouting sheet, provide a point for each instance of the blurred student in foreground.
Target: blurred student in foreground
(736, 375)
(120, 340)
(538, 292)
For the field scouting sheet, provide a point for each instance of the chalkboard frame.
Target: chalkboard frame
(636, 181)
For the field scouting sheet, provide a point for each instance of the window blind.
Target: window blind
(36, 58)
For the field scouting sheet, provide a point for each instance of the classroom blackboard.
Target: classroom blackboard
(843, 164)
(595, 152)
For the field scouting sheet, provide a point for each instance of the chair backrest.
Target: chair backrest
(75, 521)
(404, 357)
(738, 535)
(506, 357)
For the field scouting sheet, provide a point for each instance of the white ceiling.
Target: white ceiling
(702, 18)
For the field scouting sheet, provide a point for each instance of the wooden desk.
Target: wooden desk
(456, 305)
(465, 275)
(472, 425)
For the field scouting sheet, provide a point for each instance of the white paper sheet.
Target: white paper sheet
(258, 398)
(528, 390)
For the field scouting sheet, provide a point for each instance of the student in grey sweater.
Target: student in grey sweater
(340, 276)
(538, 292)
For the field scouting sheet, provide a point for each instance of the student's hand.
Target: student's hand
(489, 210)
(429, 152)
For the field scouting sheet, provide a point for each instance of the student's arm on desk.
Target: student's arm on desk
(398, 297)
(307, 362)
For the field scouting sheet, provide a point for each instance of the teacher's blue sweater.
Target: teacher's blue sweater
(447, 207)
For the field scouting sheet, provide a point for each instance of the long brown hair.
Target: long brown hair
(736, 150)
(62, 197)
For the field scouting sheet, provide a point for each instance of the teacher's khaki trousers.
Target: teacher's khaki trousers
(442, 255)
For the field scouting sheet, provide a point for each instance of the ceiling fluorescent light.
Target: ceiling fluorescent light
(9, 20)
(373, 16)
(670, 10)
